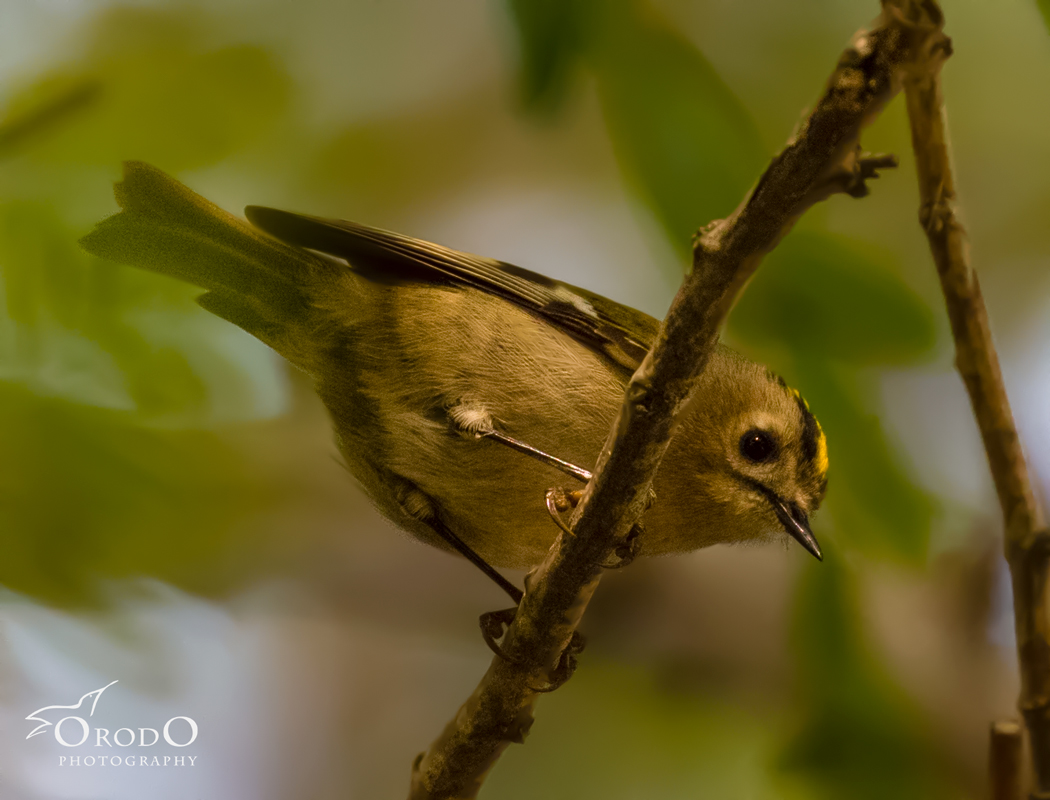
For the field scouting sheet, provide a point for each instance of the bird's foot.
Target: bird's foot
(627, 550)
(560, 500)
(566, 664)
(494, 625)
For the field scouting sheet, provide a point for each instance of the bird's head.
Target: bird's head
(755, 456)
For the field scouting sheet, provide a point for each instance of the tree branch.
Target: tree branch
(1027, 542)
(822, 158)
(1006, 760)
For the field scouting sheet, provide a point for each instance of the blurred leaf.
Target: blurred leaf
(824, 296)
(88, 494)
(876, 506)
(682, 138)
(612, 733)
(54, 105)
(56, 293)
(159, 94)
(1044, 9)
(861, 737)
(550, 39)
(828, 306)
(376, 165)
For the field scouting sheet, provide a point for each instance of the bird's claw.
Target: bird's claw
(627, 550)
(558, 501)
(566, 664)
(493, 625)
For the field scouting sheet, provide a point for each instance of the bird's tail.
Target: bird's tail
(252, 280)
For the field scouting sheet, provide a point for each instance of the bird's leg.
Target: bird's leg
(514, 444)
(417, 505)
(442, 530)
(493, 623)
(474, 421)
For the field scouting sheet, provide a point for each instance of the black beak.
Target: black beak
(793, 519)
(796, 523)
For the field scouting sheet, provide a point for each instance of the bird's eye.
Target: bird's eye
(757, 446)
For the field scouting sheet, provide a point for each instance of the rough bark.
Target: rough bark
(822, 158)
(1026, 541)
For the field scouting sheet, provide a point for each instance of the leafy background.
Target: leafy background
(173, 512)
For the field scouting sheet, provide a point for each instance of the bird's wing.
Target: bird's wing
(620, 333)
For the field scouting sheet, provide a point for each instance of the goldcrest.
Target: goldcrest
(456, 383)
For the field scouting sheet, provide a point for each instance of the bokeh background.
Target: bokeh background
(175, 517)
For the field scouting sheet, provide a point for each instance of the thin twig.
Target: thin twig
(822, 158)
(1006, 760)
(1027, 542)
(45, 117)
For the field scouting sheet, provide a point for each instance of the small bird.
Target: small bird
(461, 388)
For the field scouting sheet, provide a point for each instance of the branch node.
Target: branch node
(707, 239)
(640, 392)
(850, 174)
(937, 215)
(1037, 548)
(519, 728)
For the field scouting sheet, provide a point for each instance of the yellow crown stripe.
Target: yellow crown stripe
(822, 440)
(822, 452)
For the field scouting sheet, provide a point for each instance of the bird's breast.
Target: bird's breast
(418, 353)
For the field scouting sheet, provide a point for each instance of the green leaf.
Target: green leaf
(861, 736)
(50, 106)
(819, 308)
(157, 92)
(550, 39)
(615, 733)
(425, 154)
(58, 296)
(829, 297)
(88, 494)
(682, 137)
(1044, 9)
(95, 332)
(877, 507)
